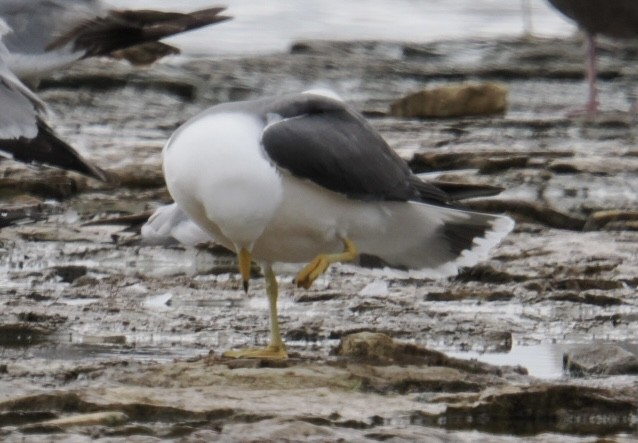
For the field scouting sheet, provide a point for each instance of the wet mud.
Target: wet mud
(105, 338)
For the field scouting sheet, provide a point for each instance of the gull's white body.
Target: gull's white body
(228, 183)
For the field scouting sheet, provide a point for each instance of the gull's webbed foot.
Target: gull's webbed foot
(312, 271)
(320, 263)
(272, 352)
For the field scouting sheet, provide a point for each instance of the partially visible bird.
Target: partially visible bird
(303, 178)
(526, 12)
(50, 34)
(169, 224)
(612, 18)
(24, 135)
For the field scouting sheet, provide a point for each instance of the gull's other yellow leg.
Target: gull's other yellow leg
(276, 350)
(320, 263)
(276, 343)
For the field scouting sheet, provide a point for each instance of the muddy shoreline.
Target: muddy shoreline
(95, 322)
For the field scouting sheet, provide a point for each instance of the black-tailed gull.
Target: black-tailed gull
(303, 178)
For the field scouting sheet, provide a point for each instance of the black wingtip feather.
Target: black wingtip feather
(126, 28)
(461, 236)
(46, 148)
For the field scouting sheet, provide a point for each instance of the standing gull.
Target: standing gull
(24, 136)
(303, 178)
(613, 18)
(50, 34)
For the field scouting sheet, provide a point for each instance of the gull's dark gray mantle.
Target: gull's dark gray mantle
(320, 139)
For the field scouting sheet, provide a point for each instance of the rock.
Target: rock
(583, 284)
(407, 379)
(487, 160)
(318, 296)
(306, 332)
(367, 345)
(601, 219)
(594, 165)
(144, 54)
(19, 418)
(34, 317)
(140, 177)
(600, 359)
(104, 340)
(586, 297)
(439, 161)
(538, 408)
(465, 294)
(68, 273)
(109, 418)
(273, 430)
(57, 185)
(621, 226)
(380, 349)
(453, 101)
(107, 75)
(533, 211)
(484, 272)
(493, 165)
(85, 281)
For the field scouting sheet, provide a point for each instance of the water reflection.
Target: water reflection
(542, 360)
(273, 25)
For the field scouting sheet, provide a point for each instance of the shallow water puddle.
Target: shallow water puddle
(18, 336)
(542, 360)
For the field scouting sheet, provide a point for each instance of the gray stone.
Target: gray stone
(600, 359)
(454, 100)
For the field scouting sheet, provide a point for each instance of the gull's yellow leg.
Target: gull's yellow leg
(244, 267)
(276, 350)
(318, 266)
